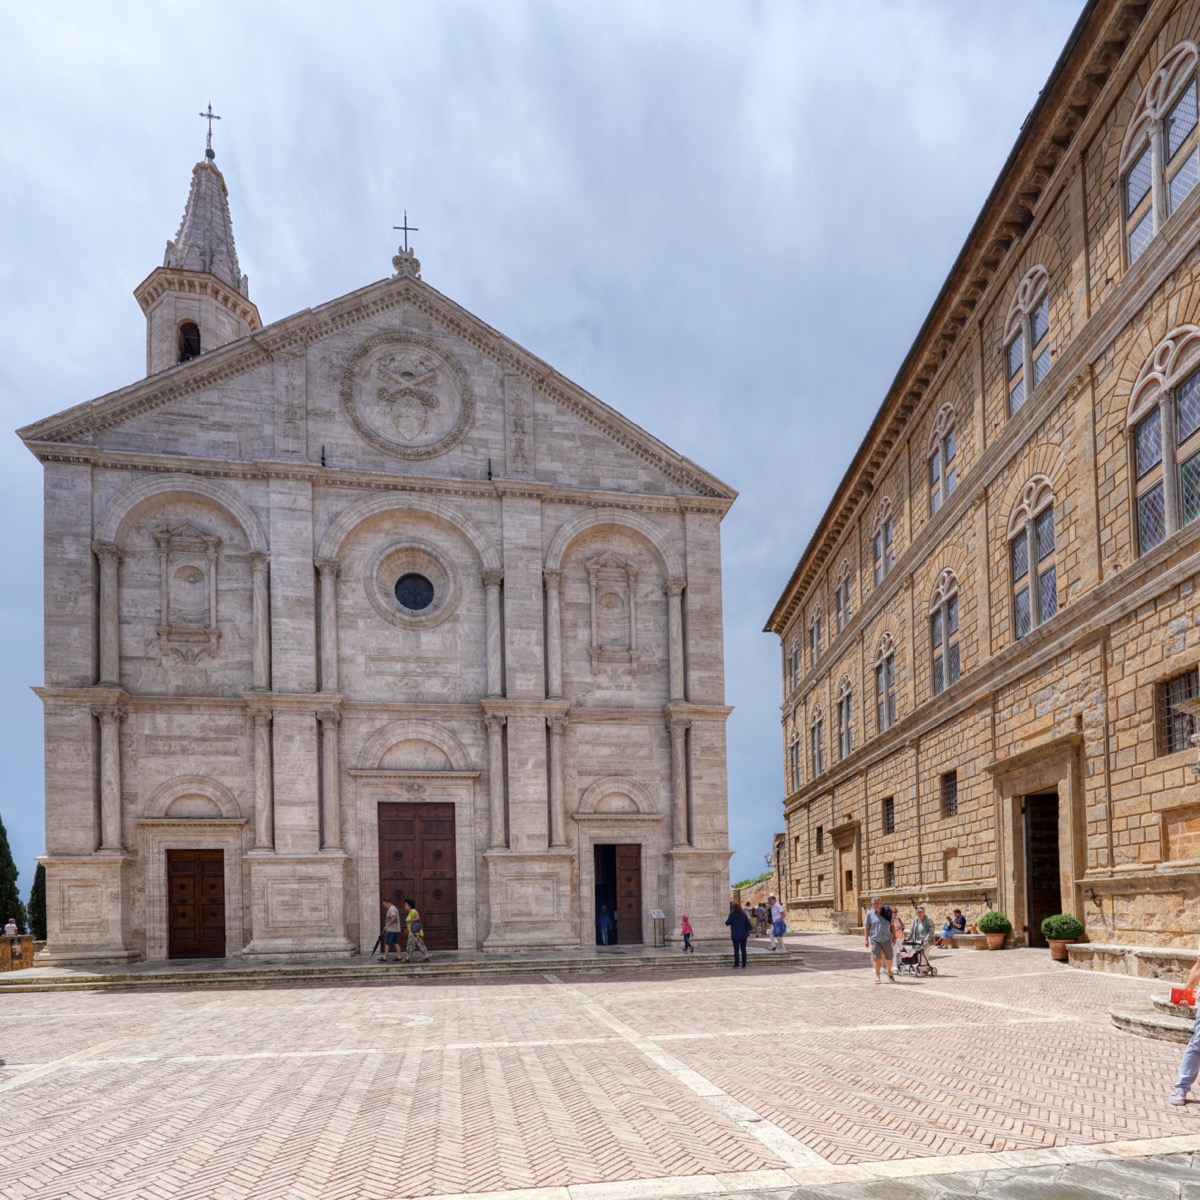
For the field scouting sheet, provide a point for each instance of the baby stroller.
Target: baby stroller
(914, 960)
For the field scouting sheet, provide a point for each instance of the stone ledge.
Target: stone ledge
(1147, 962)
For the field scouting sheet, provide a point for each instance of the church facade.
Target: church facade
(366, 603)
(991, 645)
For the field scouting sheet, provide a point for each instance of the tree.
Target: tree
(10, 898)
(37, 904)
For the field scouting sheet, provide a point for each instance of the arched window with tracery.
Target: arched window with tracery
(885, 684)
(816, 737)
(943, 631)
(841, 595)
(794, 756)
(814, 634)
(1031, 556)
(881, 540)
(943, 470)
(845, 717)
(792, 662)
(1164, 423)
(1027, 337)
(1160, 158)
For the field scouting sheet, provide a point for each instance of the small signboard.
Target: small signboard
(657, 914)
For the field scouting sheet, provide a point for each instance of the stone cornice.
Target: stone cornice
(333, 477)
(1075, 627)
(162, 280)
(1082, 88)
(215, 367)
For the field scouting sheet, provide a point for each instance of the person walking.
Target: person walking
(687, 931)
(416, 932)
(391, 929)
(1189, 1066)
(897, 940)
(605, 924)
(877, 935)
(739, 931)
(778, 927)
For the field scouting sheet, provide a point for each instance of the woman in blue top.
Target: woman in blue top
(739, 931)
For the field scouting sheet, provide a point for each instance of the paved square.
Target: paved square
(693, 1083)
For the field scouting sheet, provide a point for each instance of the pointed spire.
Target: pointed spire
(205, 238)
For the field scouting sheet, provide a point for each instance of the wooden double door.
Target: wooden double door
(618, 869)
(417, 861)
(196, 904)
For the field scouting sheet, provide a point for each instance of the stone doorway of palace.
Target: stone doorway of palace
(417, 861)
(195, 904)
(618, 888)
(1043, 874)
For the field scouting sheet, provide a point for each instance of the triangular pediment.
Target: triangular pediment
(237, 372)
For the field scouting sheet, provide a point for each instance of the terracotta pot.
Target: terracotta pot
(1058, 949)
(995, 941)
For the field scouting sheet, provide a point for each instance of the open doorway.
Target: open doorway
(1043, 879)
(618, 893)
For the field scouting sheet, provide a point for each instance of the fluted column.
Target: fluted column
(264, 801)
(110, 716)
(491, 582)
(110, 613)
(495, 725)
(678, 727)
(261, 648)
(331, 804)
(558, 836)
(554, 681)
(674, 590)
(328, 568)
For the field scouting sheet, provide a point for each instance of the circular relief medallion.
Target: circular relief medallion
(407, 396)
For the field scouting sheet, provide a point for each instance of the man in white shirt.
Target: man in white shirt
(391, 930)
(777, 914)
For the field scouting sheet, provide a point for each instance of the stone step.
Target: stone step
(1164, 1006)
(157, 976)
(1149, 1022)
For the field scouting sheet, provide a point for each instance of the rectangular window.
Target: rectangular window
(1175, 727)
(889, 814)
(1047, 594)
(1183, 180)
(1181, 121)
(817, 763)
(1187, 404)
(1152, 518)
(794, 755)
(1137, 183)
(1139, 237)
(820, 839)
(950, 794)
(1043, 533)
(889, 874)
(1016, 354)
(820, 884)
(1147, 442)
(948, 449)
(885, 694)
(845, 732)
(935, 638)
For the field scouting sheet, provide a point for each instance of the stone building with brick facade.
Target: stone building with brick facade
(369, 602)
(990, 644)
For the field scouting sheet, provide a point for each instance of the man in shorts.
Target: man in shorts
(877, 934)
(391, 929)
(1189, 1068)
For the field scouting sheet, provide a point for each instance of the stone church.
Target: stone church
(369, 602)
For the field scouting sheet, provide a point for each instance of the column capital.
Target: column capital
(110, 714)
(551, 578)
(107, 552)
(492, 577)
(329, 717)
(557, 725)
(677, 726)
(674, 587)
(494, 722)
(259, 561)
(262, 717)
(328, 567)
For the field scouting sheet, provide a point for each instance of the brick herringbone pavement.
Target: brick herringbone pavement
(425, 1089)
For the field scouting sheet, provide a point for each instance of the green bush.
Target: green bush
(1062, 927)
(994, 922)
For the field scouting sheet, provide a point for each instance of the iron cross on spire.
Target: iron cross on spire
(407, 229)
(210, 117)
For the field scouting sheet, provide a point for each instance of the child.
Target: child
(687, 931)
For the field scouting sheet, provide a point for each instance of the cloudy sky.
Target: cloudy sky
(726, 219)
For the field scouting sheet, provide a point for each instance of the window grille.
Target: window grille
(1034, 576)
(950, 794)
(820, 839)
(1027, 337)
(889, 814)
(1175, 727)
(943, 632)
(889, 874)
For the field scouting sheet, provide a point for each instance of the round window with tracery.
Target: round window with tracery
(414, 592)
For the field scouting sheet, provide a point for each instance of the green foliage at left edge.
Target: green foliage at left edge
(37, 904)
(10, 898)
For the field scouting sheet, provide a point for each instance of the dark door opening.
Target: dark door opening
(416, 861)
(1043, 884)
(196, 904)
(618, 893)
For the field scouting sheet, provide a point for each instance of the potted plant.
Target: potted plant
(996, 926)
(1060, 929)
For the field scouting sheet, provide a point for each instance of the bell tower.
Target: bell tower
(198, 299)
